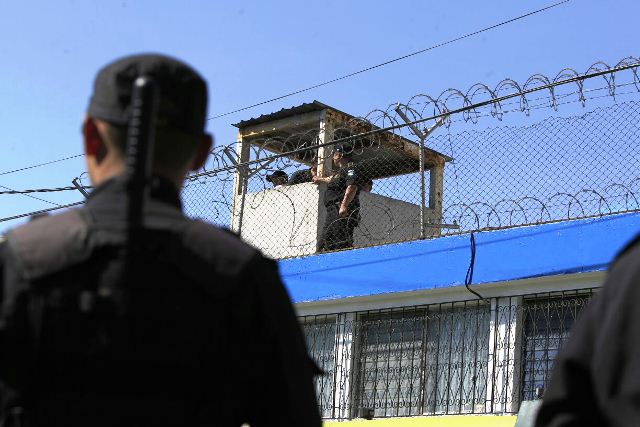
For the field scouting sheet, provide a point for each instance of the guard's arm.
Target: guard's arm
(318, 179)
(349, 195)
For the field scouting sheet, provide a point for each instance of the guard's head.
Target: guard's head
(342, 154)
(181, 143)
(278, 178)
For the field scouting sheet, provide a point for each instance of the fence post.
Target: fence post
(241, 177)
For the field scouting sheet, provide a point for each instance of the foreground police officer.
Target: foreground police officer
(596, 377)
(201, 332)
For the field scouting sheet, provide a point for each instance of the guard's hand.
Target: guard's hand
(316, 179)
(342, 212)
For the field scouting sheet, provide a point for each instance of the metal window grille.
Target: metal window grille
(547, 323)
(321, 336)
(450, 358)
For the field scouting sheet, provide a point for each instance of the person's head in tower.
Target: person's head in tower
(342, 155)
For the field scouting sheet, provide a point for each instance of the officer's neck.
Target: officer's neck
(107, 170)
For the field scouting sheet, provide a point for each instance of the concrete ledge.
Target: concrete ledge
(432, 421)
(568, 247)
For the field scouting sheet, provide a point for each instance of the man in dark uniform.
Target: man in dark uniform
(596, 377)
(278, 178)
(200, 331)
(305, 175)
(341, 201)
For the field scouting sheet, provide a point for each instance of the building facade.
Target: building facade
(399, 335)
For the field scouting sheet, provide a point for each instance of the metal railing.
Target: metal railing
(466, 357)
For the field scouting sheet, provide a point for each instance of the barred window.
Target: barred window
(547, 323)
(423, 361)
(457, 354)
(320, 335)
(389, 363)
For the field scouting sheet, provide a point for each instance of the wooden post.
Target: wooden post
(436, 179)
(240, 180)
(325, 153)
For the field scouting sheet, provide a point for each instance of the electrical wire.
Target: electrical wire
(42, 211)
(40, 190)
(12, 191)
(40, 164)
(373, 67)
(469, 277)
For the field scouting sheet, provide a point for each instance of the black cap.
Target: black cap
(345, 149)
(183, 92)
(277, 174)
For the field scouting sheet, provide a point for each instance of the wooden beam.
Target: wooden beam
(239, 182)
(325, 153)
(430, 158)
(436, 180)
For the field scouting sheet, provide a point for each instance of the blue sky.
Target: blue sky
(250, 51)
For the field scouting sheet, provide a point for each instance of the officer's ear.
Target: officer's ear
(202, 152)
(94, 145)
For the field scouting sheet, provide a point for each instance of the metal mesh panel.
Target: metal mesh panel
(452, 358)
(547, 323)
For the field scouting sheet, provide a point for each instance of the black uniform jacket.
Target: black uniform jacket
(349, 175)
(596, 378)
(204, 335)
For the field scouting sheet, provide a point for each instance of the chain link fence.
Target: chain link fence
(550, 149)
(427, 168)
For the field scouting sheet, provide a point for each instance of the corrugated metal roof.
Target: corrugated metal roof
(285, 112)
(310, 107)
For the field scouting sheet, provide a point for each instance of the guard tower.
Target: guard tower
(288, 221)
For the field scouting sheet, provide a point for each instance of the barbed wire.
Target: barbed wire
(381, 121)
(223, 157)
(481, 192)
(557, 169)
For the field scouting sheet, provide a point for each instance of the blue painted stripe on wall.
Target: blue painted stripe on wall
(511, 254)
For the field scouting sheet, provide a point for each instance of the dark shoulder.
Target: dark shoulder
(218, 246)
(629, 255)
(50, 243)
(623, 276)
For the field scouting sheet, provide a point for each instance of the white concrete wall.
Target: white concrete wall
(283, 221)
(288, 221)
(386, 220)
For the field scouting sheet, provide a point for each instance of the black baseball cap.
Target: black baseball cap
(345, 149)
(183, 92)
(277, 174)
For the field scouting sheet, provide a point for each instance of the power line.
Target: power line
(12, 191)
(24, 215)
(40, 190)
(40, 164)
(346, 76)
(373, 67)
